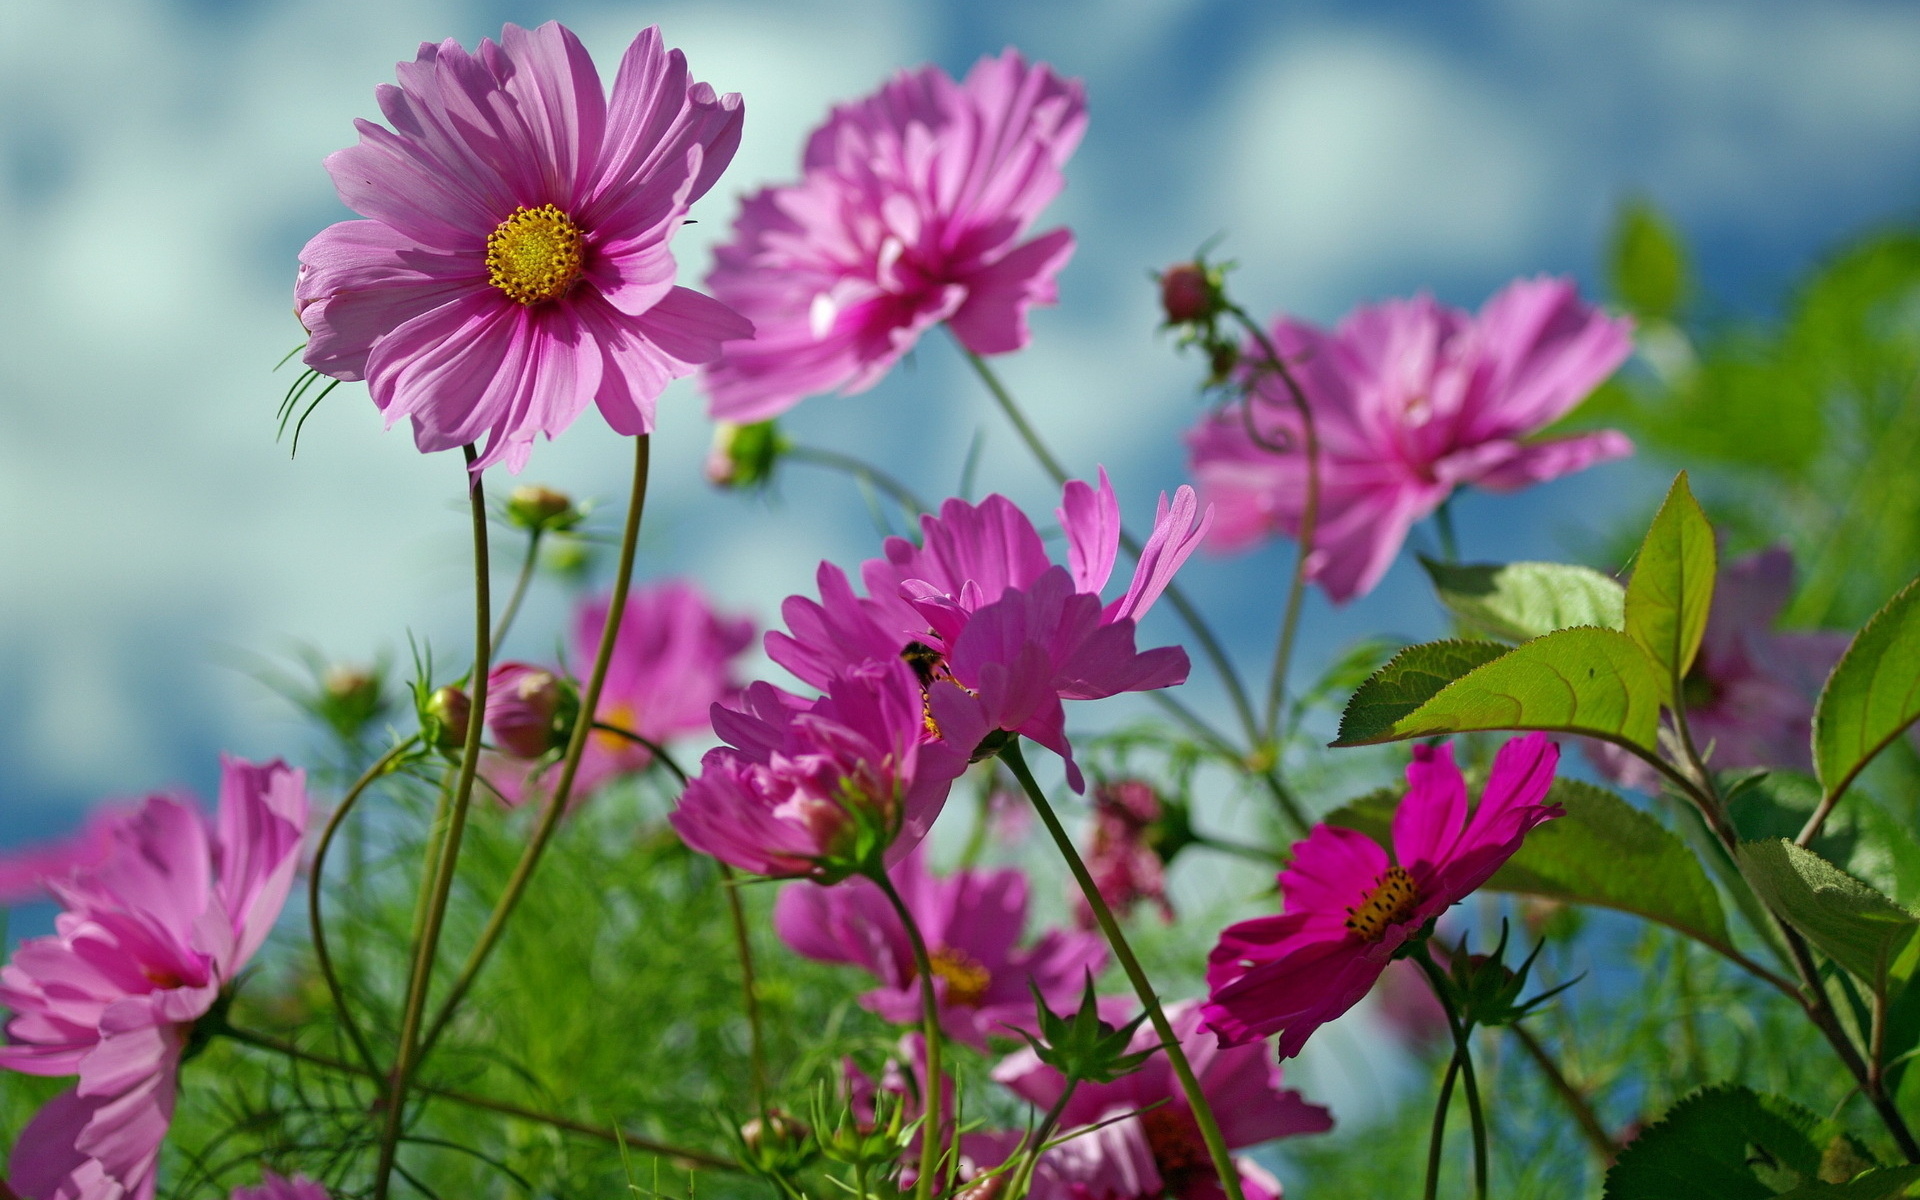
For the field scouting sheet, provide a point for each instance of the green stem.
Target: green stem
(322, 956)
(1462, 1031)
(833, 460)
(519, 587)
(406, 1060)
(757, 1055)
(1436, 1140)
(1023, 1177)
(1604, 1147)
(576, 747)
(1202, 633)
(930, 1134)
(1443, 525)
(1176, 1057)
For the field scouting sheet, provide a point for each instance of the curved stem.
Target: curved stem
(833, 460)
(757, 1055)
(659, 752)
(1202, 633)
(519, 588)
(1176, 1056)
(322, 956)
(1604, 1147)
(570, 768)
(406, 1060)
(1436, 1140)
(930, 1022)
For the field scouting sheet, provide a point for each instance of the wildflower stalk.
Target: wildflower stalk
(570, 764)
(864, 471)
(1023, 1177)
(1436, 1140)
(519, 586)
(1176, 1057)
(930, 1023)
(756, 1047)
(1462, 1031)
(427, 944)
(322, 956)
(1604, 1147)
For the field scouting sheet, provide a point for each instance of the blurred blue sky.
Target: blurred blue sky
(160, 168)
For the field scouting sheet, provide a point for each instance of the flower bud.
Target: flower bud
(743, 456)
(536, 508)
(349, 698)
(444, 717)
(774, 1132)
(529, 710)
(1189, 293)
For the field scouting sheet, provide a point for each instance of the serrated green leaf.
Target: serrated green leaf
(1851, 923)
(1704, 1146)
(1408, 680)
(1648, 264)
(1872, 695)
(1672, 585)
(1518, 601)
(1597, 682)
(1604, 852)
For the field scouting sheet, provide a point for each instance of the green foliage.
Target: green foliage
(1514, 602)
(1672, 586)
(1598, 682)
(1872, 695)
(1851, 923)
(1730, 1143)
(1647, 265)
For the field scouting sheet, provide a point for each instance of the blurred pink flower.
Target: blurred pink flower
(814, 788)
(1159, 1152)
(1751, 692)
(909, 212)
(149, 937)
(972, 922)
(1410, 400)
(979, 603)
(27, 874)
(1349, 907)
(1121, 855)
(280, 1187)
(515, 264)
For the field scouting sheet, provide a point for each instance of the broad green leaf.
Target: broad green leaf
(1593, 681)
(1408, 680)
(1518, 601)
(1672, 585)
(1705, 1146)
(1851, 923)
(1872, 695)
(1604, 852)
(1648, 264)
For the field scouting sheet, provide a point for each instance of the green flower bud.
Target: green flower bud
(539, 509)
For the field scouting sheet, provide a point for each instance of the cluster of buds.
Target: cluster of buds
(744, 456)
(1193, 295)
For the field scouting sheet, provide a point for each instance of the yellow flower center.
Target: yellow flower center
(1391, 901)
(967, 979)
(535, 254)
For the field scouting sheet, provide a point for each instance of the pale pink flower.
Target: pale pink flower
(280, 1187)
(1349, 906)
(149, 938)
(1751, 692)
(973, 922)
(514, 267)
(979, 603)
(1144, 1155)
(909, 212)
(1410, 400)
(26, 873)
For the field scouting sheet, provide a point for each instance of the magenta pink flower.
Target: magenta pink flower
(1751, 692)
(1410, 400)
(909, 213)
(819, 788)
(1159, 1152)
(1349, 907)
(972, 922)
(978, 603)
(514, 266)
(279, 1187)
(1122, 858)
(149, 937)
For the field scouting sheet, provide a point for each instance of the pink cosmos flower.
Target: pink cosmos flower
(1410, 400)
(149, 937)
(514, 266)
(811, 788)
(26, 873)
(1349, 906)
(1122, 858)
(909, 213)
(972, 922)
(1751, 692)
(279, 1187)
(979, 604)
(1159, 1152)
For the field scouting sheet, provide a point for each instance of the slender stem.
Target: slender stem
(930, 1136)
(1811, 829)
(1436, 1140)
(322, 956)
(1202, 633)
(263, 1041)
(1462, 1030)
(1023, 1177)
(833, 460)
(1239, 849)
(1309, 517)
(1443, 525)
(1604, 1147)
(406, 1060)
(1176, 1057)
(756, 1046)
(576, 747)
(1877, 1042)
(519, 587)
(658, 751)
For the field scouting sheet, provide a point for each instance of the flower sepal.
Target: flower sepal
(743, 456)
(1485, 991)
(774, 1145)
(537, 509)
(1083, 1047)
